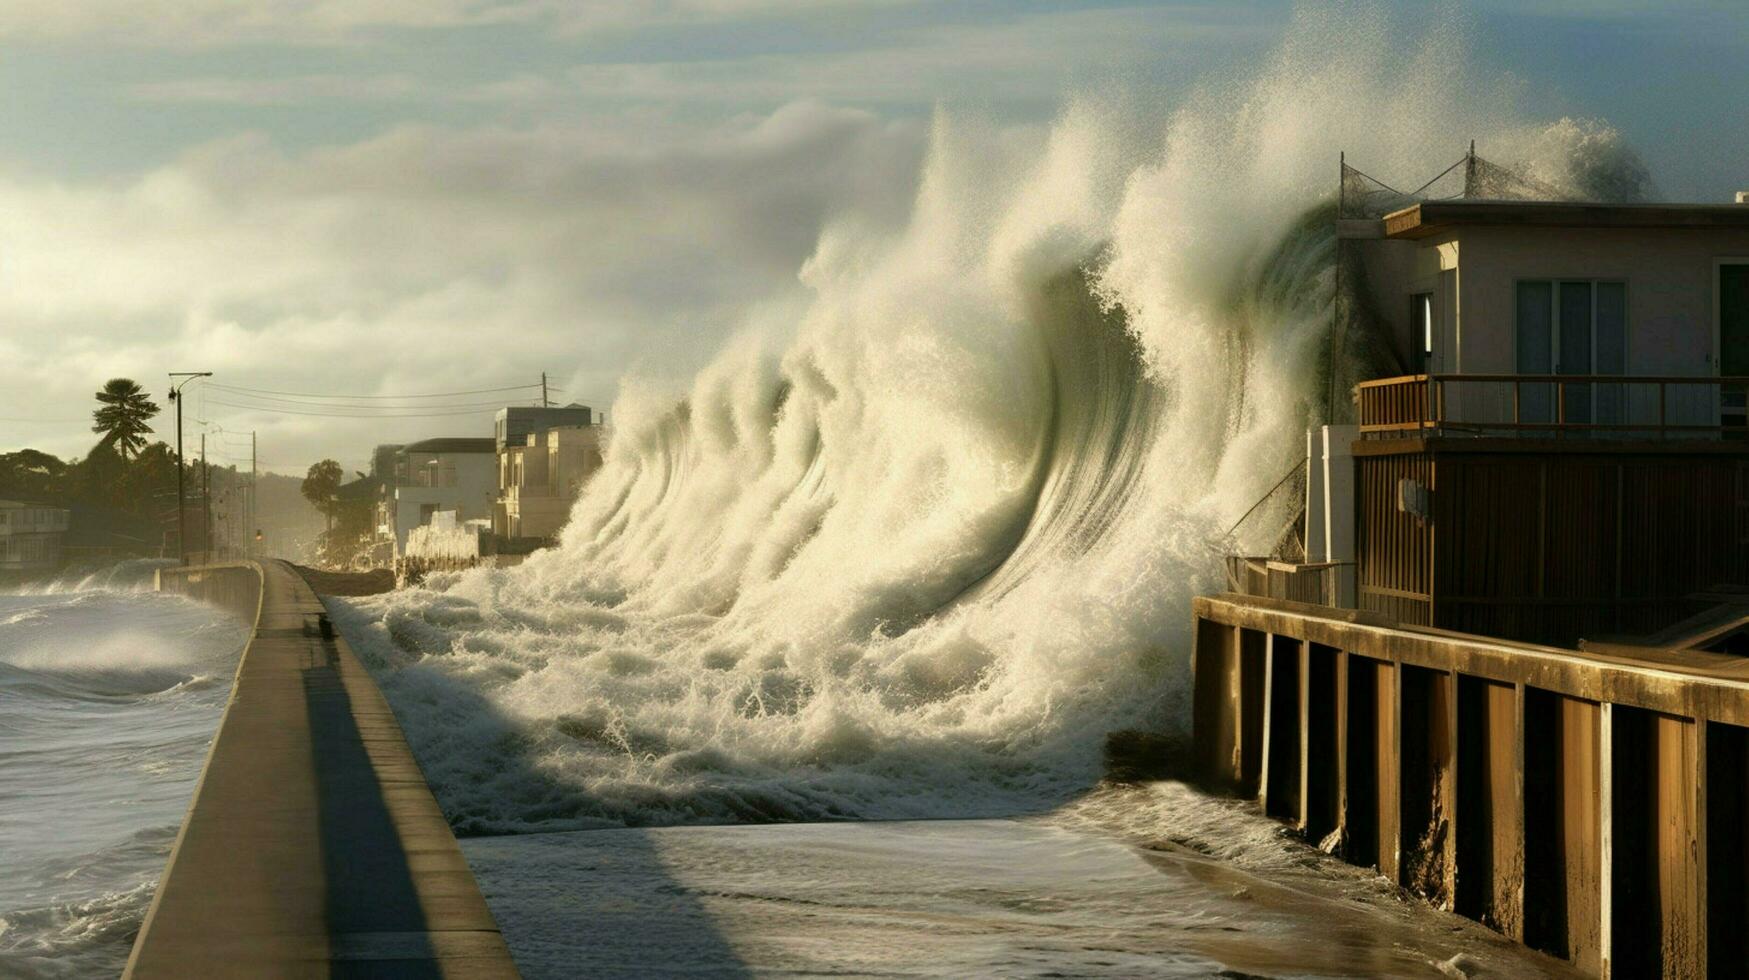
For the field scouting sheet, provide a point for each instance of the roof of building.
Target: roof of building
(454, 444)
(27, 505)
(1433, 217)
(525, 410)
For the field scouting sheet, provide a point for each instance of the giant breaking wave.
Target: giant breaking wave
(917, 554)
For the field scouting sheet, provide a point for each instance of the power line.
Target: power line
(330, 396)
(271, 401)
(358, 412)
(273, 410)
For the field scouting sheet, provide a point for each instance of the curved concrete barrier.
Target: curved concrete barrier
(313, 847)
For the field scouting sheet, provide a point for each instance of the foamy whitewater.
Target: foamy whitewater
(915, 553)
(109, 695)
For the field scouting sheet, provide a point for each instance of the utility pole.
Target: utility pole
(181, 509)
(249, 526)
(206, 500)
(544, 403)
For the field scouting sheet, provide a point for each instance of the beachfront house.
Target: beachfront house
(1568, 454)
(1502, 657)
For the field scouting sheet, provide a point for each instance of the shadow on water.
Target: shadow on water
(557, 909)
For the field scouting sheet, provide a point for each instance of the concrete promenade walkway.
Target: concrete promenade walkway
(313, 847)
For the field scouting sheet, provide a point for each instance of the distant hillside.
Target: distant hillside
(288, 524)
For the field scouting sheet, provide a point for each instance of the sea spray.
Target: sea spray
(918, 554)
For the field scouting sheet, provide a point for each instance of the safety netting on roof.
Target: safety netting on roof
(1470, 178)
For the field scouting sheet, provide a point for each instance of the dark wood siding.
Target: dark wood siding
(1553, 547)
(1395, 569)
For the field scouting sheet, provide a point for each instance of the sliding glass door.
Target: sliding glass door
(1572, 327)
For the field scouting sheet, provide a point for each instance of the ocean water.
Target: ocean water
(916, 551)
(912, 554)
(1208, 888)
(109, 697)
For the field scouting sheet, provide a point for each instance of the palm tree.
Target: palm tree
(125, 416)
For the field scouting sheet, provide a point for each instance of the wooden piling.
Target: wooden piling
(1320, 710)
(1370, 817)
(1725, 852)
(1489, 838)
(1281, 733)
(1586, 803)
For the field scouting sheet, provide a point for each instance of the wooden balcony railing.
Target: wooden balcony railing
(1521, 404)
(1319, 583)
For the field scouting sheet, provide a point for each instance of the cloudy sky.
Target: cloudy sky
(383, 197)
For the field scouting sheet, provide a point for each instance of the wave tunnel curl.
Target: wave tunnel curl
(918, 553)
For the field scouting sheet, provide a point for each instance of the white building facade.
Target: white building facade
(448, 475)
(1483, 293)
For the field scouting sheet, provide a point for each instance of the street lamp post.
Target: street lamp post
(181, 503)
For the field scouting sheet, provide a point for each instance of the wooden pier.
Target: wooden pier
(1590, 803)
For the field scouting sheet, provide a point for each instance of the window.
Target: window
(1572, 327)
(1421, 330)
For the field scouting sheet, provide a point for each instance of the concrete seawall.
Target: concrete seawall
(313, 847)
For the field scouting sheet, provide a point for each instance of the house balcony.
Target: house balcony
(1554, 406)
(1318, 583)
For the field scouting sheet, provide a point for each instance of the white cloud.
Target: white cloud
(278, 91)
(1036, 57)
(424, 259)
(221, 21)
(214, 21)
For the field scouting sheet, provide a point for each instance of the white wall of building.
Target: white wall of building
(467, 485)
(1670, 278)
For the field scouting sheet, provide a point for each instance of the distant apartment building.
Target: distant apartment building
(30, 536)
(515, 423)
(545, 455)
(446, 474)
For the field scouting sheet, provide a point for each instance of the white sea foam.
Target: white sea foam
(916, 554)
